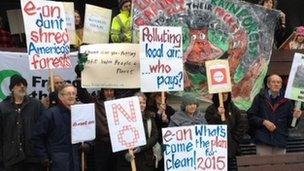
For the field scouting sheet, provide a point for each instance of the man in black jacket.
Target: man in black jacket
(18, 115)
(270, 116)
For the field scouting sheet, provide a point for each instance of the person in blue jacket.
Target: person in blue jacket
(270, 116)
(52, 135)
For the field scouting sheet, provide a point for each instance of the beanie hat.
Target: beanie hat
(15, 80)
(122, 2)
(188, 99)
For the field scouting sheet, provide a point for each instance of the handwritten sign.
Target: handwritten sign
(218, 76)
(199, 147)
(295, 85)
(97, 24)
(161, 60)
(83, 122)
(70, 21)
(48, 43)
(111, 66)
(125, 123)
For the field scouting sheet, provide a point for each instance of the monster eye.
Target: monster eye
(202, 36)
(193, 37)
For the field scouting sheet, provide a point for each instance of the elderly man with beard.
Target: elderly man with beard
(18, 115)
(52, 135)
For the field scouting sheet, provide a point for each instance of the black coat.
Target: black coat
(236, 125)
(52, 139)
(16, 124)
(278, 112)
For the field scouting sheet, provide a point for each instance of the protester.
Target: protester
(52, 135)
(52, 99)
(281, 24)
(236, 125)
(189, 113)
(6, 40)
(79, 28)
(143, 155)
(121, 28)
(269, 118)
(18, 115)
(298, 41)
(104, 157)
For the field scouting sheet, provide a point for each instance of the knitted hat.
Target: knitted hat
(15, 80)
(122, 2)
(188, 99)
(300, 30)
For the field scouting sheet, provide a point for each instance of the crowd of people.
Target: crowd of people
(35, 136)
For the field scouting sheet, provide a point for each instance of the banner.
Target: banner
(70, 21)
(161, 62)
(218, 76)
(17, 63)
(217, 29)
(111, 66)
(48, 43)
(125, 123)
(97, 23)
(295, 85)
(83, 123)
(199, 147)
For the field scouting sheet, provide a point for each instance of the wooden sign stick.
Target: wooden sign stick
(223, 118)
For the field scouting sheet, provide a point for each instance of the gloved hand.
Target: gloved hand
(84, 148)
(129, 157)
(46, 163)
(82, 59)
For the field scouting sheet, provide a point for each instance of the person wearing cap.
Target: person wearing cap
(18, 115)
(189, 113)
(121, 28)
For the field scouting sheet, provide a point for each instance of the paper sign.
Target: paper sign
(83, 122)
(97, 24)
(111, 66)
(70, 21)
(161, 62)
(125, 123)
(218, 76)
(48, 43)
(199, 147)
(15, 21)
(295, 85)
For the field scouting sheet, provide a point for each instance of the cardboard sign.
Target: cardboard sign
(48, 42)
(199, 147)
(218, 76)
(83, 123)
(15, 21)
(70, 21)
(111, 66)
(97, 24)
(125, 123)
(161, 62)
(295, 85)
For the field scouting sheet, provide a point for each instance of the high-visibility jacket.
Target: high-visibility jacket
(121, 28)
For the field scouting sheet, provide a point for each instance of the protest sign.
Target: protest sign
(48, 43)
(218, 76)
(17, 63)
(161, 63)
(83, 123)
(97, 24)
(217, 29)
(199, 147)
(295, 85)
(15, 21)
(70, 21)
(111, 66)
(125, 123)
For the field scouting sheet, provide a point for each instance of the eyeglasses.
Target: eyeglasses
(70, 94)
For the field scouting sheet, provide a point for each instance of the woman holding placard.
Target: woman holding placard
(142, 155)
(189, 113)
(235, 124)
